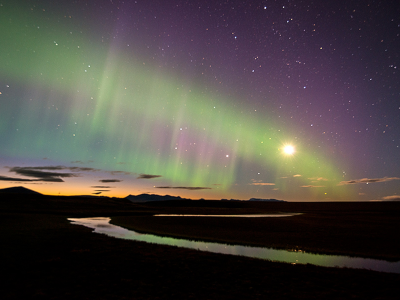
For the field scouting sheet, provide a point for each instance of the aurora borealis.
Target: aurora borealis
(200, 98)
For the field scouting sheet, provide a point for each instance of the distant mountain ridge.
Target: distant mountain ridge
(266, 200)
(152, 197)
(133, 198)
(18, 190)
(256, 200)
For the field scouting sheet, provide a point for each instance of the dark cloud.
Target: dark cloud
(102, 190)
(76, 169)
(37, 172)
(6, 178)
(312, 186)
(45, 173)
(368, 180)
(58, 168)
(109, 180)
(40, 175)
(79, 169)
(98, 193)
(184, 187)
(148, 176)
(52, 179)
(49, 174)
(102, 187)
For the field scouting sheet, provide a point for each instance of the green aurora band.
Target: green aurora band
(96, 103)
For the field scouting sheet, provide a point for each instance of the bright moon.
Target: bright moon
(289, 150)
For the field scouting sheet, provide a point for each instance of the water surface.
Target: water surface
(103, 226)
(232, 216)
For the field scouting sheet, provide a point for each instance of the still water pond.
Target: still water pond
(103, 226)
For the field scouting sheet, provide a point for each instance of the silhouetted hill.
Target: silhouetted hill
(152, 197)
(18, 190)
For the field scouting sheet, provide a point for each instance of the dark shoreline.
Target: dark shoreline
(44, 256)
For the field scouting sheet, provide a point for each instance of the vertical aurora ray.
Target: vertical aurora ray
(85, 102)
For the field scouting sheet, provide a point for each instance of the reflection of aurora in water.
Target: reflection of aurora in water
(85, 102)
(101, 225)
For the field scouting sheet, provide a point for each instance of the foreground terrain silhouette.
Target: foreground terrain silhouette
(45, 256)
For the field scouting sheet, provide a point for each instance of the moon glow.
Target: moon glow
(289, 150)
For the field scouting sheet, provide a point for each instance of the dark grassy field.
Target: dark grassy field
(43, 256)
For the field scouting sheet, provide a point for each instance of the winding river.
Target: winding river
(103, 226)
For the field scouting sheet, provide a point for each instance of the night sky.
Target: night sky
(201, 99)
